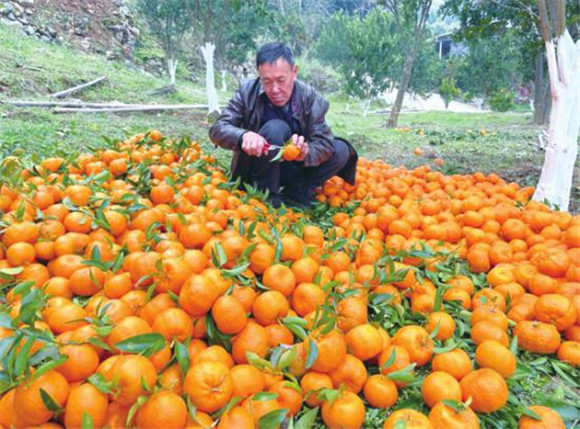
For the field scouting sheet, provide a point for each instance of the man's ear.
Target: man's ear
(295, 70)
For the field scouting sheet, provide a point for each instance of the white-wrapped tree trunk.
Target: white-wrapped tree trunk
(224, 82)
(207, 51)
(171, 68)
(555, 181)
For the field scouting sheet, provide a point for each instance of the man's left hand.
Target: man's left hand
(302, 145)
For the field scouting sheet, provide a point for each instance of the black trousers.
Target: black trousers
(291, 182)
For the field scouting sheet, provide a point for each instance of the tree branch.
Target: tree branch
(544, 21)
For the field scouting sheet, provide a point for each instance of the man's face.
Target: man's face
(278, 80)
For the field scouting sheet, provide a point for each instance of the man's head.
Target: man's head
(277, 72)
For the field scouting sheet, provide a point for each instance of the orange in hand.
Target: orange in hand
(291, 152)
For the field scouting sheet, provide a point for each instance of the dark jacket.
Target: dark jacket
(244, 111)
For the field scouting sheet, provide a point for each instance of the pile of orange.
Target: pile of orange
(140, 289)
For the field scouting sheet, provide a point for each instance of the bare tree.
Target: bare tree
(410, 17)
(169, 24)
(563, 57)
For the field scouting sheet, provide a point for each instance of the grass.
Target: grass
(30, 69)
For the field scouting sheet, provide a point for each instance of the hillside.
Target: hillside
(32, 69)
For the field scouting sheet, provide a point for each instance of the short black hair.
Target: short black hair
(270, 52)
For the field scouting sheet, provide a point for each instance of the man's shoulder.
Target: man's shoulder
(249, 85)
(307, 92)
(305, 88)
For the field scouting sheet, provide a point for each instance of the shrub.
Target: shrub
(502, 100)
(448, 90)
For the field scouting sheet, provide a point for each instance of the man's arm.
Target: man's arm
(318, 135)
(226, 132)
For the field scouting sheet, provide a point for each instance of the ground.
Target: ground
(504, 143)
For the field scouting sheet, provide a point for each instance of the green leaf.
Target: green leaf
(390, 360)
(405, 375)
(21, 364)
(101, 383)
(435, 331)
(231, 404)
(294, 321)
(514, 345)
(279, 153)
(264, 396)
(531, 413)
(5, 320)
(22, 289)
(182, 356)
(145, 344)
(133, 410)
(453, 404)
(87, 422)
(47, 351)
(400, 424)
(31, 304)
(451, 345)
(222, 257)
(380, 298)
(48, 366)
(307, 419)
(49, 402)
(566, 377)
(257, 361)
(145, 386)
(99, 343)
(272, 419)
(287, 357)
(8, 273)
(312, 353)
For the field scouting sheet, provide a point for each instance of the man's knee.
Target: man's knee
(276, 132)
(341, 155)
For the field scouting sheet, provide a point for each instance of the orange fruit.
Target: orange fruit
(408, 418)
(133, 373)
(348, 410)
(311, 383)
(28, 402)
(438, 386)
(85, 399)
(548, 419)
(443, 416)
(229, 314)
(380, 392)
(487, 389)
(208, 385)
(162, 409)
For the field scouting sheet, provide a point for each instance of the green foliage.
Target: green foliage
(448, 90)
(491, 65)
(368, 53)
(167, 21)
(502, 100)
(322, 77)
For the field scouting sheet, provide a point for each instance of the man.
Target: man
(267, 112)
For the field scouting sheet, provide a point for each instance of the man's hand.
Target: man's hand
(253, 144)
(302, 145)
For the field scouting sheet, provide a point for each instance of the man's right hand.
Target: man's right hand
(253, 144)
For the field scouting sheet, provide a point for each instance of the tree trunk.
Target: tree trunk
(224, 83)
(539, 90)
(207, 51)
(546, 106)
(408, 65)
(171, 69)
(406, 78)
(555, 181)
